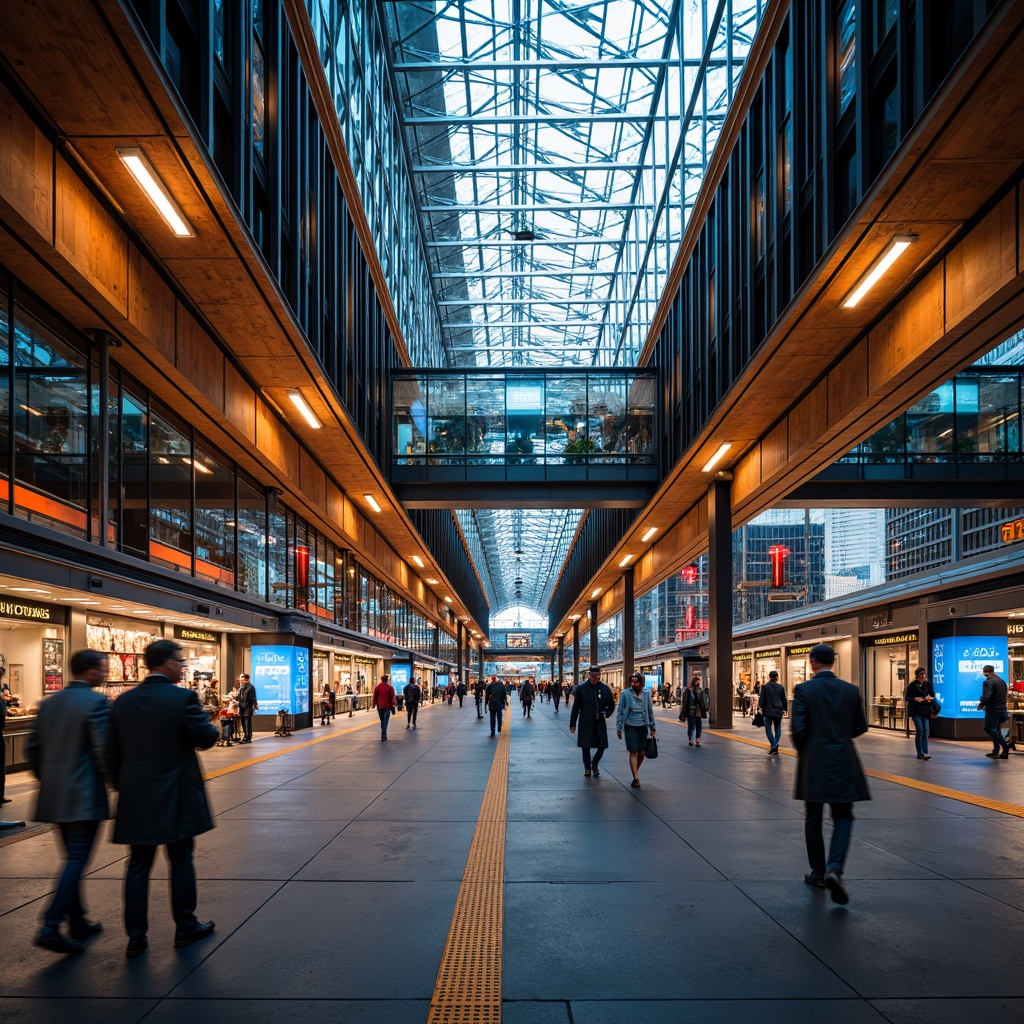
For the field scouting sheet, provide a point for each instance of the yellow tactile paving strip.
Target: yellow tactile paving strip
(468, 986)
(900, 780)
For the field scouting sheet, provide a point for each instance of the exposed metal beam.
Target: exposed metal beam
(483, 64)
(524, 274)
(498, 119)
(513, 168)
(464, 243)
(521, 323)
(499, 207)
(578, 300)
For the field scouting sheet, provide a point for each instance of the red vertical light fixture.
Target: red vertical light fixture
(689, 575)
(691, 617)
(777, 554)
(302, 576)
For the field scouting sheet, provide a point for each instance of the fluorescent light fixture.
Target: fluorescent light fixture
(432, 582)
(893, 251)
(140, 169)
(648, 534)
(595, 591)
(372, 502)
(29, 409)
(418, 561)
(575, 618)
(200, 468)
(307, 414)
(625, 561)
(447, 599)
(28, 590)
(143, 611)
(713, 461)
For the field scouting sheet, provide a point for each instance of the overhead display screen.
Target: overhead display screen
(281, 677)
(957, 662)
(518, 640)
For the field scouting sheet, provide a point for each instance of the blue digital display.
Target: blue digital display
(957, 662)
(281, 678)
(401, 675)
(442, 679)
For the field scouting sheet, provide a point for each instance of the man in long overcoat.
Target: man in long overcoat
(592, 704)
(827, 715)
(155, 729)
(67, 753)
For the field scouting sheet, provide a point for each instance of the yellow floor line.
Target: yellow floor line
(468, 986)
(900, 780)
(281, 751)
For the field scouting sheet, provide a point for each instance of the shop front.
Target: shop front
(889, 664)
(766, 661)
(201, 649)
(742, 679)
(32, 665)
(958, 650)
(124, 641)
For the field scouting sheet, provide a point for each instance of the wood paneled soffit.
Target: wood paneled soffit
(827, 377)
(70, 247)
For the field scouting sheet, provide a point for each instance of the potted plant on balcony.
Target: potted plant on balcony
(577, 450)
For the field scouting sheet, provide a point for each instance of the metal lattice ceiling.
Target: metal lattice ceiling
(556, 149)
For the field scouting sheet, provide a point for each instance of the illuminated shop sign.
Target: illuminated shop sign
(800, 652)
(743, 656)
(770, 652)
(1015, 629)
(957, 662)
(281, 677)
(895, 640)
(199, 636)
(1012, 532)
(26, 610)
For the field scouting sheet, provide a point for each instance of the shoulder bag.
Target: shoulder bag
(651, 748)
(757, 721)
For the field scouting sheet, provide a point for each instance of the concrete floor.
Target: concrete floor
(333, 871)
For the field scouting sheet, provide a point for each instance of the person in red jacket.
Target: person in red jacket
(385, 703)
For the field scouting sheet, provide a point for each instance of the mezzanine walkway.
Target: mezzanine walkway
(334, 870)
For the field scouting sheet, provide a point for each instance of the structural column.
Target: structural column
(103, 440)
(480, 662)
(458, 652)
(628, 628)
(593, 634)
(576, 653)
(720, 599)
(561, 659)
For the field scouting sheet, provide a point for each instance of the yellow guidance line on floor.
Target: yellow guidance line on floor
(899, 780)
(468, 986)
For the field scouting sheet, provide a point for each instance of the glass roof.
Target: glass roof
(555, 148)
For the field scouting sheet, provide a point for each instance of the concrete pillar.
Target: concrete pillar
(576, 653)
(593, 634)
(458, 653)
(628, 626)
(720, 599)
(561, 659)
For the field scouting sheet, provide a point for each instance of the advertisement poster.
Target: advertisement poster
(401, 675)
(281, 677)
(957, 662)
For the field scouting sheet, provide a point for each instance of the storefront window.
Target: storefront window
(215, 520)
(134, 478)
(170, 474)
(890, 666)
(251, 528)
(5, 399)
(50, 412)
(277, 559)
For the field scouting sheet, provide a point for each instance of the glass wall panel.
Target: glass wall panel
(409, 402)
(930, 426)
(50, 412)
(215, 520)
(485, 418)
(606, 423)
(251, 526)
(170, 474)
(640, 413)
(447, 424)
(565, 416)
(524, 416)
(987, 416)
(5, 400)
(134, 474)
(277, 558)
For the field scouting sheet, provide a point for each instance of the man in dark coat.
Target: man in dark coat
(155, 729)
(827, 715)
(497, 697)
(413, 695)
(247, 706)
(592, 705)
(67, 753)
(555, 693)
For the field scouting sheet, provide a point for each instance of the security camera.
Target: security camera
(952, 610)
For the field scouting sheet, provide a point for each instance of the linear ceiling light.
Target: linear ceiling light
(713, 461)
(893, 251)
(625, 561)
(432, 582)
(447, 599)
(595, 592)
(140, 169)
(648, 534)
(307, 414)
(372, 502)
(418, 561)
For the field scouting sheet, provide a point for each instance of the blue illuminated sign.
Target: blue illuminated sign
(957, 662)
(281, 677)
(401, 675)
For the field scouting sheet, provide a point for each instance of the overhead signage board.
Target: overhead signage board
(518, 640)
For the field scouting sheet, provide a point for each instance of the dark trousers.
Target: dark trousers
(383, 714)
(479, 707)
(497, 714)
(993, 719)
(842, 829)
(183, 886)
(591, 762)
(246, 718)
(411, 711)
(78, 837)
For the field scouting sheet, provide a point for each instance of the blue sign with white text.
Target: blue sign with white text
(281, 678)
(957, 662)
(401, 675)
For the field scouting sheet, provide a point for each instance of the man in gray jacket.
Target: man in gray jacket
(66, 751)
(772, 703)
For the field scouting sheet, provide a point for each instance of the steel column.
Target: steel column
(720, 599)
(628, 630)
(576, 653)
(593, 635)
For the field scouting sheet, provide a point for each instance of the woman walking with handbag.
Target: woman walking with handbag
(921, 706)
(694, 709)
(636, 717)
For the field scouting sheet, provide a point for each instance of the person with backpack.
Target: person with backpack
(497, 700)
(526, 695)
(694, 710)
(413, 696)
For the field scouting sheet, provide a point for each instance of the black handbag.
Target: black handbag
(757, 721)
(936, 708)
(651, 748)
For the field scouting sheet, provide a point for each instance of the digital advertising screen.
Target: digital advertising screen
(281, 677)
(518, 640)
(442, 679)
(652, 676)
(401, 675)
(957, 662)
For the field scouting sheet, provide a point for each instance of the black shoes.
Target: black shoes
(5, 800)
(51, 939)
(993, 753)
(186, 936)
(1004, 757)
(597, 774)
(85, 930)
(834, 884)
(635, 783)
(818, 881)
(136, 946)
